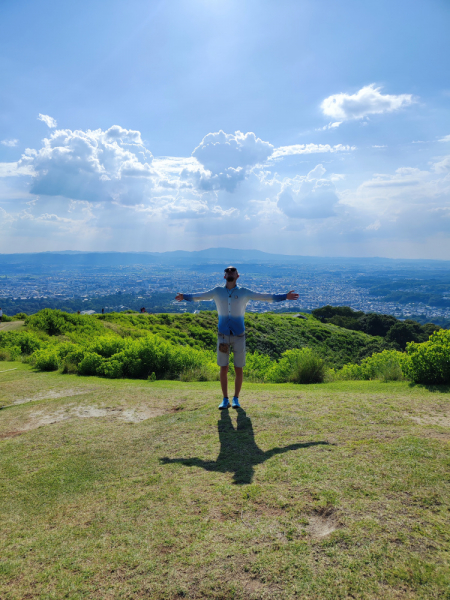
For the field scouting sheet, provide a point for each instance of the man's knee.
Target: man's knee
(224, 369)
(239, 370)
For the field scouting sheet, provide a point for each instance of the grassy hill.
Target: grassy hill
(269, 334)
(137, 489)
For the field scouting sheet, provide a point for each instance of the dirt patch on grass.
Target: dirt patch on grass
(52, 395)
(41, 418)
(323, 523)
(441, 419)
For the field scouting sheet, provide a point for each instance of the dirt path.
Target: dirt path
(11, 325)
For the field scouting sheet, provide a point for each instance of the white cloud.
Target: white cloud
(309, 149)
(442, 166)
(330, 126)
(49, 121)
(14, 169)
(314, 198)
(379, 146)
(10, 143)
(368, 101)
(104, 190)
(228, 158)
(446, 138)
(90, 165)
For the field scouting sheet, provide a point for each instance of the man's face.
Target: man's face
(231, 274)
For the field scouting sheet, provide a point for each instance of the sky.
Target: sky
(309, 127)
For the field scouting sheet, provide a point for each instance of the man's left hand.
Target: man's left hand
(292, 295)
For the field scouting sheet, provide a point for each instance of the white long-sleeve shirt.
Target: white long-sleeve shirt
(231, 305)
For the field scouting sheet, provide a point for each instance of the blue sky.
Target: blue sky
(304, 127)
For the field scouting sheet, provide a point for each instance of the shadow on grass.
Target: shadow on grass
(441, 388)
(239, 452)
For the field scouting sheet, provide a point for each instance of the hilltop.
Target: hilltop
(139, 489)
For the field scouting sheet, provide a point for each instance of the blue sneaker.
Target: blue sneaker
(224, 404)
(235, 402)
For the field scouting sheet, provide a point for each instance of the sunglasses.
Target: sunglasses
(230, 270)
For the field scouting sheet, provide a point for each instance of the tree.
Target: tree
(375, 324)
(401, 333)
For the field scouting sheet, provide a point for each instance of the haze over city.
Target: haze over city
(297, 127)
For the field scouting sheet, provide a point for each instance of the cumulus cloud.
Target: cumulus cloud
(367, 101)
(283, 151)
(227, 158)
(446, 138)
(89, 165)
(313, 198)
(49, 121)
(10, 143)
(106, 187)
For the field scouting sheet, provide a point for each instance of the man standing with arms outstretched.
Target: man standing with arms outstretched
(231, 302)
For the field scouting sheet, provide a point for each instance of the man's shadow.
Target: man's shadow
(239, 452)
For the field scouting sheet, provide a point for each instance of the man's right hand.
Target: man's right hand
(179, 297)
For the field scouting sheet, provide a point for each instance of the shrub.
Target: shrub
(26, 341)
(90, 364)
(429, 362)
(20, 316)
(298, 366)
(257, 366)
(388, 365)
(46, 359)
(5, 355)
(57, 322)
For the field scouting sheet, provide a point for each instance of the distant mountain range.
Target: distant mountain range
(71, 258)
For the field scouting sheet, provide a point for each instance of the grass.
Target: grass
(325, 491)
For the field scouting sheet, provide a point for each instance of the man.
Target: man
(231, 302)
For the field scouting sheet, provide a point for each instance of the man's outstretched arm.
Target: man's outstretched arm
(272, 297)
(195, 297)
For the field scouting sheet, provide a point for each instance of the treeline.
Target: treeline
(395, 332)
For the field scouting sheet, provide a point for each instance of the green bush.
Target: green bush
(5, 355)
(46, 359)
(115, 357)
(388, 365)
(26, 341)
(257, 366)
(90, 364)
(57, 322)
(429, 362)
(298, 366)
(20, 316)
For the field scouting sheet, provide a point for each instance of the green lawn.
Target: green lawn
(133, 489)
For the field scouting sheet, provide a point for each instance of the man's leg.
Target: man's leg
(238, 380)
(224, 380)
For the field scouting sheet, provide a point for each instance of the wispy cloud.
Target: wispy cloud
(49, 121)
(334, 125)
(446, 138)
(10, 143)
(367, 101)
(309, 149)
